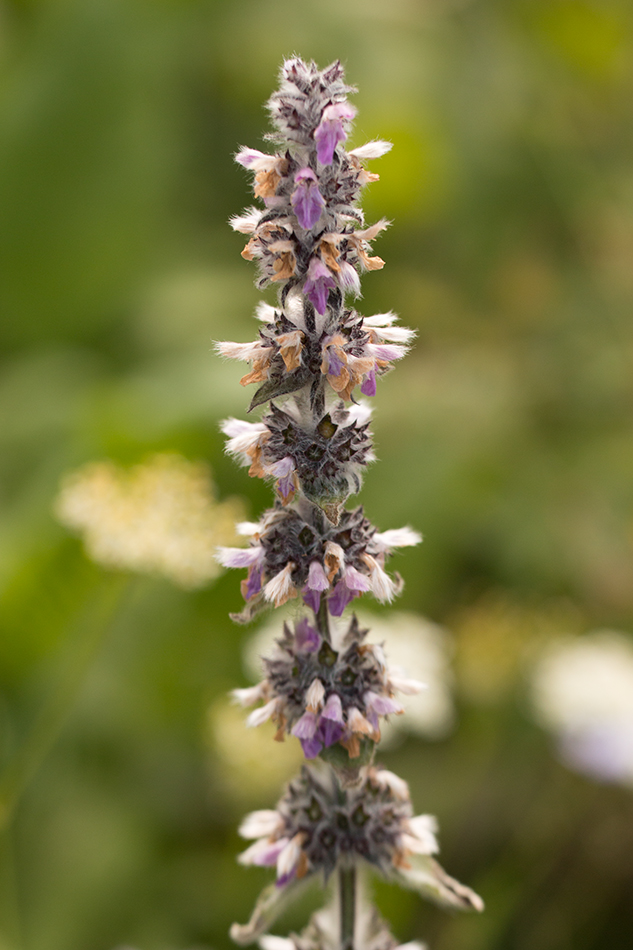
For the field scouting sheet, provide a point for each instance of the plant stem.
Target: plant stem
(322, 619)
(347, 904)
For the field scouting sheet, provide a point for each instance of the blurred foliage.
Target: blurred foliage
(506, 437)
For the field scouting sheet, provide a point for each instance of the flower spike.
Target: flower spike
(325, 685)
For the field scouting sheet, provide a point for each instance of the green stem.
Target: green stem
(94, 622)
(347, 904)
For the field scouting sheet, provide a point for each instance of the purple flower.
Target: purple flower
(317, 582)
(334, 362)
(240, 557)
(253, 582)
(348, 278)
(306, 726)
(329, 732)
(386, 351)
(286, 486)
(340, 597)
(307, 200)
(382, 705)
(333, 708)
(369, 384)
(311, 747)
(312, 599)
(264, 854)
(351, 585)
(330, 130)
(317, 578)
(286, 878)
(247, 157)
(372, 717)
(331, 725)
(318, 284)
(284, 471)
(306, 637)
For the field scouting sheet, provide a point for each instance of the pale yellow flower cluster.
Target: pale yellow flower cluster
(159, 517)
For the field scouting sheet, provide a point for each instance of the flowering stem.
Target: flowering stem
(347, 904)
(322, 619)
(312, 354)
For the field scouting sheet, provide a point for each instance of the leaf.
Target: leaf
(288, 383)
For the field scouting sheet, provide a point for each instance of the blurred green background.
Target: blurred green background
(506, 437)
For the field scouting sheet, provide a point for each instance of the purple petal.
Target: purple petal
(240, 557)
(269, 856)
(327, 136)
(318, 269)
(286, 878)
(330, 732)
(348, 278)
(340, 597)
(305, 174)
(317, 578)
(311, 747)
(355, 580)
(339, 110)
(387, 351)
(334, 362)
(286, 486)
(306, 637)
(284, 471)
(253, 583)
(317, 290)
(306, 727)
(284, 466)
(333, 708)
(383, 705)
(369, 384)
(312, 599)
(248, 156)
(330, 130)
(307, 202)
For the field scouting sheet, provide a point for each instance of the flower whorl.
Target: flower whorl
(323, 695)
(313, 829)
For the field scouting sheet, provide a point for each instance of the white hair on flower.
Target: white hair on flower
(375, 149)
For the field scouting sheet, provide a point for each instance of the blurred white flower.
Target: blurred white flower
(415, 648)
(582, 690)
(159, 517)
(422, 650)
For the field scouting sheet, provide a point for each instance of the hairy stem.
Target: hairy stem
(347, 905)
(323, 620)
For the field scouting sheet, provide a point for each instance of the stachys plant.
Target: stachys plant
(314, 359)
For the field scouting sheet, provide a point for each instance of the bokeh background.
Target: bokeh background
(506, 437)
